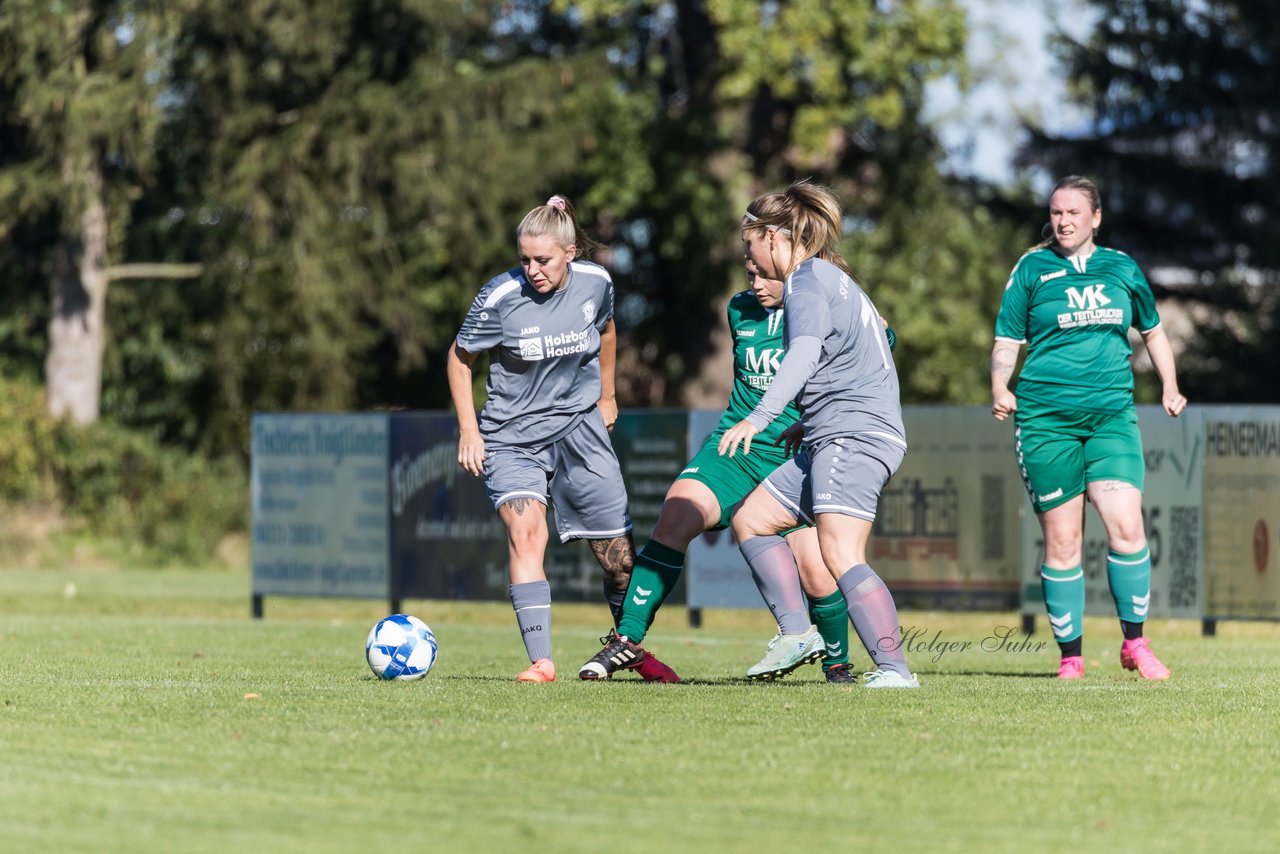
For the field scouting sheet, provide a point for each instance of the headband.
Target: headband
(753, 218)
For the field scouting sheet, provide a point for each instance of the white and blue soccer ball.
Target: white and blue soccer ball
(400, 647)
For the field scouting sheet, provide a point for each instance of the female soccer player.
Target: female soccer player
(1076, 430)
(704, 498)
(545, 426)
(839, 368)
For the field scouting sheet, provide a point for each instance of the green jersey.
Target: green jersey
(1074, 316)
(757, 352)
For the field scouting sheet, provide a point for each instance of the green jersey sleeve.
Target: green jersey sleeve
(1145, 316)
(1011, 321)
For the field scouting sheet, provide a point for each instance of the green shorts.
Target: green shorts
(731, 479)
(1060, 452)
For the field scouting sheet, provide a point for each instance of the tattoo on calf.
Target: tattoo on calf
(616, 557)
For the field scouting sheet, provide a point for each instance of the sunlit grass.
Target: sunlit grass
(145, 711)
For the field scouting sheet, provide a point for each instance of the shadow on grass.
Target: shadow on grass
(1015, 674)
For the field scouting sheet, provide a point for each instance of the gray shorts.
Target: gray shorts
(843, 475)
(581, 472)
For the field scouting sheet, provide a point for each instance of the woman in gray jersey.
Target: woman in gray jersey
(839, 370)
(544, 429)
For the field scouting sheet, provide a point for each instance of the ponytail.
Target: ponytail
(556, 218)
(810, 215)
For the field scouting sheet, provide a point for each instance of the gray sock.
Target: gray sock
(874, 617)
(532, 602)
(773, 567)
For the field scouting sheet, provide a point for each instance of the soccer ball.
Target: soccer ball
(400, 647)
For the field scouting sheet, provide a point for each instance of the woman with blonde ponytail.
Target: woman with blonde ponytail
(544, 430)
(839, 369)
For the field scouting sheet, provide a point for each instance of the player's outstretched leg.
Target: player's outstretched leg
(618, 653)
(651, 669)
(787, 653)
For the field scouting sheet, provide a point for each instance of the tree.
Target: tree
(339, 179)
(1183, 142)
(747, 97)
(81, 79)
(361, 170)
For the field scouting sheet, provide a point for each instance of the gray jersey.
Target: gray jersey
(846, 381)
(544, 370)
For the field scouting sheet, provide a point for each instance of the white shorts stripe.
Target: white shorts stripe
(888, 437)
(786, 502)
(520, 493)
(593, 535)
(843, 510)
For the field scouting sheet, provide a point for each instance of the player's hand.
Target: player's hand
(791, 439)
(608, 411)
(1004, 405)
(1173, 402)
(471, 453)
(740, 432)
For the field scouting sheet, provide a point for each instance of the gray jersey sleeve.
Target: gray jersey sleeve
(605, 313)
(482, 328)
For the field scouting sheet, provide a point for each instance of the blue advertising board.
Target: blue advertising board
(318, 491)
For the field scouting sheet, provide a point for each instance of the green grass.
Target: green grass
(127, 724)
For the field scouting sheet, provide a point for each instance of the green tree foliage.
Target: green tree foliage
(78, 121)
(150, 504)
(347, 175)
(1184, 143)
(747, 97)
(352, 174)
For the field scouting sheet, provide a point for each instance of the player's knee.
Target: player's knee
(527, 539)
(1128, 541)
(678, 524)
(1062, 552)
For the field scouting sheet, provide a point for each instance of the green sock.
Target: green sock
(1129, 577)
(831, 615)
(657, 570)
(1064, 599)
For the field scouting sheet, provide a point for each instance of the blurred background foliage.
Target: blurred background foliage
(343, 177)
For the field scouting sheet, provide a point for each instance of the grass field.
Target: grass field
(144, 711)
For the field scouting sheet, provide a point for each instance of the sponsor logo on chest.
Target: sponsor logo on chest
(553, 346)
(1087, 306)
(760, 367)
